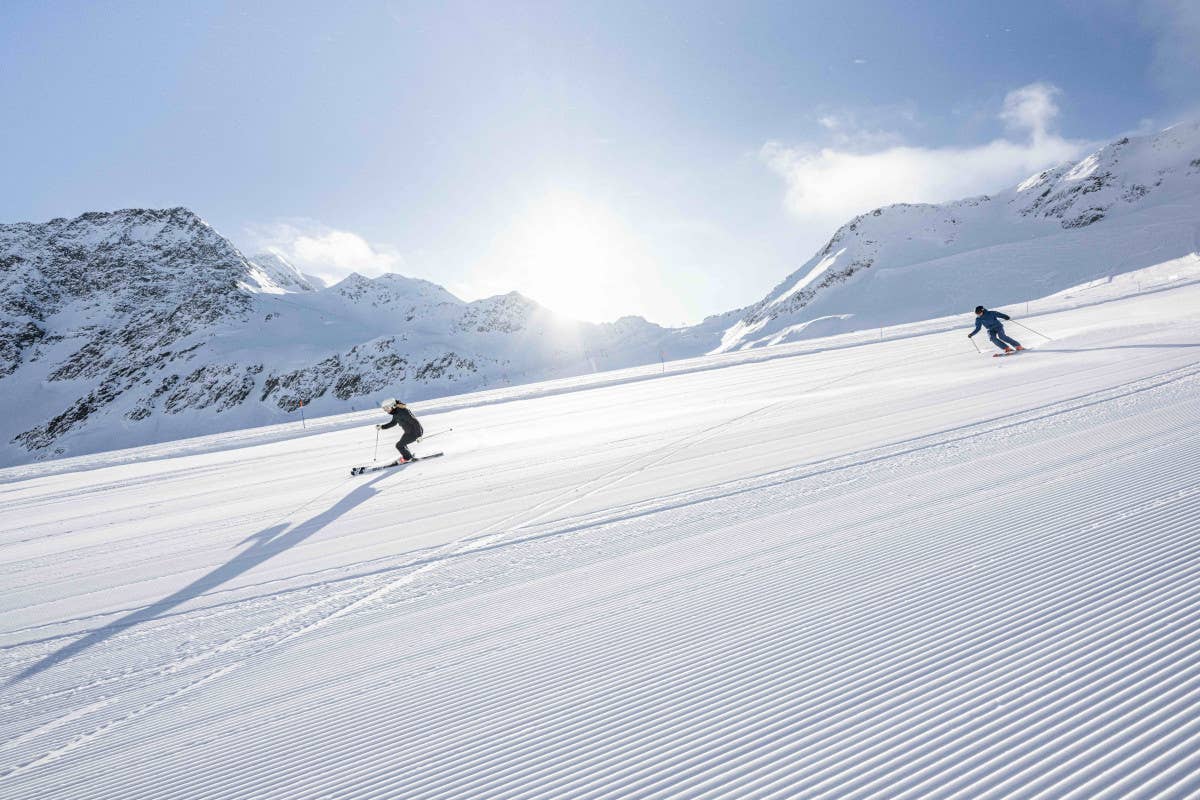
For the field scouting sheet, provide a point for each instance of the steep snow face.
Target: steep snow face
(1133, 203)
(274, 274)
(139, 326)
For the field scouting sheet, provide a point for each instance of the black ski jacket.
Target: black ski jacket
(405, 419)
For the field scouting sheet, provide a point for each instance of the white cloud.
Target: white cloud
(326, 252)
(1031, 109)
(830, 184)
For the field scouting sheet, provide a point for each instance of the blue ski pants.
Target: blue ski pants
(1002, 339)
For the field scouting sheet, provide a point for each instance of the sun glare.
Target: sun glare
(576, 258)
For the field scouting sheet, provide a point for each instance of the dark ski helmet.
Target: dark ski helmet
(980, 309)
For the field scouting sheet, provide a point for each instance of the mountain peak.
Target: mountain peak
(273, 274)
(903, 254)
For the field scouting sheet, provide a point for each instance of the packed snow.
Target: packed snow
(843, 568)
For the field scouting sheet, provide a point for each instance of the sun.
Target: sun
(576, 258)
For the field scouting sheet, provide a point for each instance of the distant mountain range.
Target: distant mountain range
(129, 327)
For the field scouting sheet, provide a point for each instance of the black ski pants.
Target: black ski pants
(408, 438)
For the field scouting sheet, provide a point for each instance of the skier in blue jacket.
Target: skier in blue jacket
(995, 328)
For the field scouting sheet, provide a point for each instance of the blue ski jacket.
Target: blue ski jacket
(989, 320)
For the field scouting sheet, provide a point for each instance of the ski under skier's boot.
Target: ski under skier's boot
(1019, 348)
(399, 463)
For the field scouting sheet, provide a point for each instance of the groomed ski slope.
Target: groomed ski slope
(890, 570)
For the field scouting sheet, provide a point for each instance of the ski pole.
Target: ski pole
(977, 350)
(376, 456)
(431, 435)
(1031, 330)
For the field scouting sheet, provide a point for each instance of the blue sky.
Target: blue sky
(667, 159)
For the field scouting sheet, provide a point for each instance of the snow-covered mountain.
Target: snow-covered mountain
(137, 326)
(274, 274)
(1132, 203)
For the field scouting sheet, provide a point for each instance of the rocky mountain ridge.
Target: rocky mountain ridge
(139, 325)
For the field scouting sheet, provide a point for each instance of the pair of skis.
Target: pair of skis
(366, 469)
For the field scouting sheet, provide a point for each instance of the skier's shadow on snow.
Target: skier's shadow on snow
(266, 544)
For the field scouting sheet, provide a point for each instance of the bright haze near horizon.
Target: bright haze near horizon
(672, 160)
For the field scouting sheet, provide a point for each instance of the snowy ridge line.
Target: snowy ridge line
(1048, 567)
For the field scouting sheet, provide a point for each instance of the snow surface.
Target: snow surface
(843, 569)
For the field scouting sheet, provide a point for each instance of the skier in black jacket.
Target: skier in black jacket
(995, 328)
(408, 423)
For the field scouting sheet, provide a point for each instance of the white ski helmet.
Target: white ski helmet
(389, 405)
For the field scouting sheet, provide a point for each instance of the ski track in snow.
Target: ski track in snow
(884, 571)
